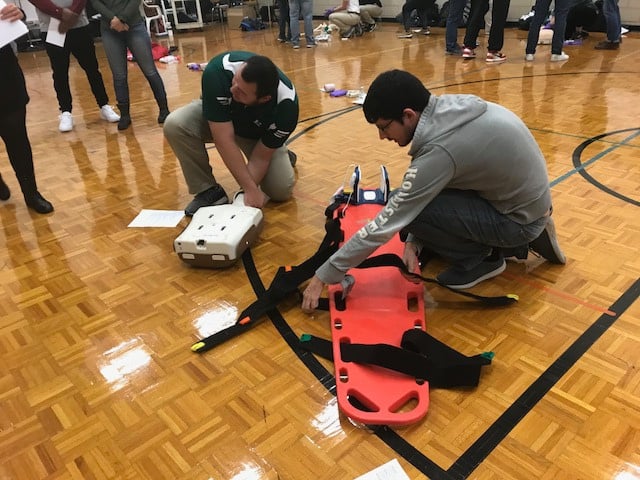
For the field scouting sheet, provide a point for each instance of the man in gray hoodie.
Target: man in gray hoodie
(476, 189)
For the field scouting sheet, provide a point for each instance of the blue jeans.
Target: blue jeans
(611, 13)
(463, 228)
(306, 6)
(454, 19)
(561, 10)
(138, 41)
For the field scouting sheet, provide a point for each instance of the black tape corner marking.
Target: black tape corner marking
(580, 167)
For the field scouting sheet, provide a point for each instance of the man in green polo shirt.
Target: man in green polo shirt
(249, 107)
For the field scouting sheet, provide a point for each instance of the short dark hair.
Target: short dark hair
(393, 91)
(263, 72)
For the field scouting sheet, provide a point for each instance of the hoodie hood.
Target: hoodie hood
(444, 114)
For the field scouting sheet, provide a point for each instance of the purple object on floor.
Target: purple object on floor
(573, 42)
(338, 93)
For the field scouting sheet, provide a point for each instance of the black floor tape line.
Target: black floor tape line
(482, 447)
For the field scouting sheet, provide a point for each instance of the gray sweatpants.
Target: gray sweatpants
(187, 131)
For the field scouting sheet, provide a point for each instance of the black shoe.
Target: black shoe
(459, 279)
(546, 245)
(370, 27)
(293, 158)
(210, 197)
(607, 45)
(124, 122)
(162, 116)
(38, 203)
(457, 51)
(520, 253)
(5, 193)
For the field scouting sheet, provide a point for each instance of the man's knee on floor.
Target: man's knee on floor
(281, 194)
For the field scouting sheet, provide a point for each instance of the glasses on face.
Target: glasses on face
(384, 127)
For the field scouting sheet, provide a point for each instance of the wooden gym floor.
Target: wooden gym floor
(97, 380)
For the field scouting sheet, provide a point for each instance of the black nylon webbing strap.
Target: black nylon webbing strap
(317, 345)
(414, 364)
(393, 260)
(285, 282)
(420, 356)
(453, 369)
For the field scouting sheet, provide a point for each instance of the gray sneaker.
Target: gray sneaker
(461, 279)
(212, 196)
(546, 245)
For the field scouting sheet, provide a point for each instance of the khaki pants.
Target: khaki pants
(187, 131)
(370, 12)
(344, 20)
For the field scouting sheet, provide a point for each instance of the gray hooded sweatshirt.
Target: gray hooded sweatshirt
(461, 142)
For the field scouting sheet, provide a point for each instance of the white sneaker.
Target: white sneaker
(468, 53)
(529, 57)
(495, 57)
(107, 113)
(559, 57)
(66, 122)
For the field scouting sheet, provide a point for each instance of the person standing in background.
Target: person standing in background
(611, 12)
(499, 14)
(561, 10)
(306, 8)
(284, 22)
(79, 42)
(123, 27)
(454, 19)
(13, 127)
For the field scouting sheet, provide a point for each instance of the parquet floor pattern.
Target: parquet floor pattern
(97, 380)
